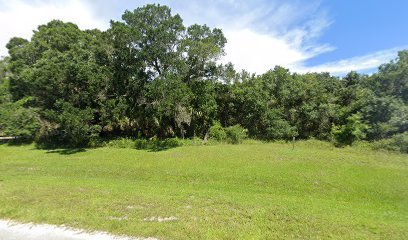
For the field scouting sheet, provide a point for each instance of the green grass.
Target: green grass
(249, 191)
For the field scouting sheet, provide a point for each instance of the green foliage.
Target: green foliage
(352, 131)
(142, 144)
(149, 75)
(236, 134)
(163, 64)
(70, 127)
(398, 142)
(75, 125)
(277, 127)
(217, 132)
(392, 78)
(170, 106)
(155, 32)
(167, 143)
(386, 116)
(18, 121)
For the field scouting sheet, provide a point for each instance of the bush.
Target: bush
(217, 132)
(353, 130)
(48, 136)
(168, 143)
(236, 134)
(276, 127)
(233, 134)
(18, 121)
(142, 144)
(69, 127)
(398, 142)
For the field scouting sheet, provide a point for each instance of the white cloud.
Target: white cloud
(360, 63)
(258, 53)
(19, 18)
(262, 34)
(268, 33)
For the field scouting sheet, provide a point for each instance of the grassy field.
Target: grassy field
(249, 191)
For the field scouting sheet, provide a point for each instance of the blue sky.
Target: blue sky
(364, 27)
(336, 36)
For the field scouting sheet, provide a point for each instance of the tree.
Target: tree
(202, 47)
(170, 106)
(392, 78)
(156, 35)
(61, 63)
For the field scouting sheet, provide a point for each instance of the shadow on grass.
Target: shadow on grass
(16, 142)
(157, 149)
(50, 149)
(68, 151)
(150, 145)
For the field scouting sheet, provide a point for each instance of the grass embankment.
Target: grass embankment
(249, 191)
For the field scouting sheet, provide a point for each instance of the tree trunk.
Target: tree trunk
(206, 137)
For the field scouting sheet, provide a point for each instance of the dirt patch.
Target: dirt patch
(161, 219)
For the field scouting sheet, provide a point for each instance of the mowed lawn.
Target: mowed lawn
(249, 191)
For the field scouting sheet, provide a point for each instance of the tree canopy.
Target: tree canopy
(149, 75)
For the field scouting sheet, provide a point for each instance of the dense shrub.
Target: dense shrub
(236, 134)
(398, 142)
(18, 121)
(168, 143)
(22, 122)
(141, 144)
(70, 127)
(217, 132)
(352, 131)
(276, 127)
(233, 134)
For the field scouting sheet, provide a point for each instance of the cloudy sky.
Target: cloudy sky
(336, 36)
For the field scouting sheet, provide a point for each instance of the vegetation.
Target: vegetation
(149, 76)
(116, 117)
(398, 142)
(247, 191)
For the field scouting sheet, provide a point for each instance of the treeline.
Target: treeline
(150, 76)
